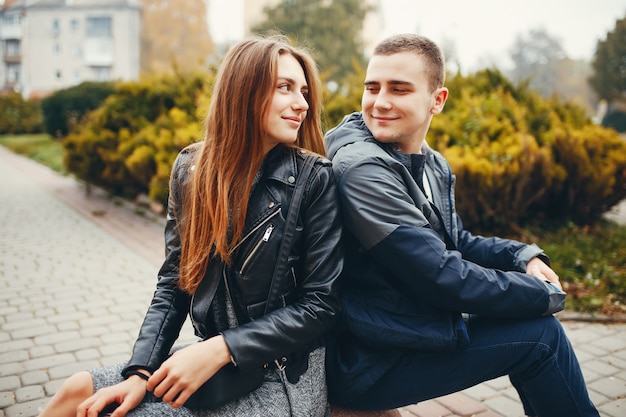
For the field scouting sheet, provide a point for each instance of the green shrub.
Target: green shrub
(595, 161)
(521, 159)
(128, 145)
(345, 98)
(19, 116)
(615, 120)
(64, 109)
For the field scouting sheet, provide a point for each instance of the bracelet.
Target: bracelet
(139, 374)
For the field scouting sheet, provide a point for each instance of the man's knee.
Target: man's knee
(553, 332)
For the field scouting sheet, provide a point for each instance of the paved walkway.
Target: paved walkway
(77, 274)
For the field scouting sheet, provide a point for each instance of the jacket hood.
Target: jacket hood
(351, 129)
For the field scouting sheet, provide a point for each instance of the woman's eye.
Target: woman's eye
(284, 87)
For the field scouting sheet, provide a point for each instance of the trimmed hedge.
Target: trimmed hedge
(65, 108)
(615, 120)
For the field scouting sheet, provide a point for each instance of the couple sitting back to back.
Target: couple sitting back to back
(387, 299)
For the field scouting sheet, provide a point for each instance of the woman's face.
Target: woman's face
(289, 105)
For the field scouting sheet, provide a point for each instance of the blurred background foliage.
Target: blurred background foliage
(520, 159)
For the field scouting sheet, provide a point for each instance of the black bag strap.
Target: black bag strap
(282, 260)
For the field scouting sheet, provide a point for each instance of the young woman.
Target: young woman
(229, 196)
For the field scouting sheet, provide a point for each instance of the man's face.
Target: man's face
(397, 102)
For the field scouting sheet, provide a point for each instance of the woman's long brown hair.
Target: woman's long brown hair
(216, 202)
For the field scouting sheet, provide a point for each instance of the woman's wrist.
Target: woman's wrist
(222, 353)
(138, 374)
(141, 373)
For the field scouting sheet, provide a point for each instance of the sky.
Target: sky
(482, 31)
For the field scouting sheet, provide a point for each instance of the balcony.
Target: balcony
(13, 31)
(98, 52)
(13, 59)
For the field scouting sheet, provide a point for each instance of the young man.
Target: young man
(429, 308)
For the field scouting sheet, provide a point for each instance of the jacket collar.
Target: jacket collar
(280, 165)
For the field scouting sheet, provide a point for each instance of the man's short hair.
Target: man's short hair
(420, 45)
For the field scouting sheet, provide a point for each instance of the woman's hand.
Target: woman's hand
(539, 269)
(187, 369)
(128, 394)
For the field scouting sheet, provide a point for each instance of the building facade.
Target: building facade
(53, 44)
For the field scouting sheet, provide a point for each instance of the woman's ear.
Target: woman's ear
(440, 96)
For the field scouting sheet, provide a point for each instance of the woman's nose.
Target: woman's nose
(300, 102)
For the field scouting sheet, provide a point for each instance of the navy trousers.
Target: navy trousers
(535, 353)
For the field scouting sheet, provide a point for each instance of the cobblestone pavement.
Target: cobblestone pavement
(77, 274)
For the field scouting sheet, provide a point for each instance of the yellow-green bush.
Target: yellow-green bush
(19, 116)
(520, 159)
(128, 144)
(344, 98)
(595, 161)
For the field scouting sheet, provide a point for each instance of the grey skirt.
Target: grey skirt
(277, 397)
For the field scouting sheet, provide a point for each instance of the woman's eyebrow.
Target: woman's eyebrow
(290, 80)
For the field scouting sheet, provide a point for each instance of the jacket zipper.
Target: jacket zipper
(266, 237)
(255, 229)
(257, 247)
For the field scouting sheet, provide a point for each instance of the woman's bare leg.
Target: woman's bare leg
(72, 392)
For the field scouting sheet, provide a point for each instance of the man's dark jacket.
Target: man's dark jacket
(410, 266)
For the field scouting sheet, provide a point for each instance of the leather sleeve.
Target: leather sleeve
(296, 326)
(169, 307)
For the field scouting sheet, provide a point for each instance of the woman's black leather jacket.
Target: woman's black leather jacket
(299, 316)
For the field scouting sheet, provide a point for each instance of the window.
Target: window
(74, 24)
(13, 73)
(98, 27)
(58, 75)
(55, 26)
(57, 48)
(102, 73)
(12, 19)
(12, 47)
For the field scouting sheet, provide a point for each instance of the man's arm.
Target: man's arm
(380, 214)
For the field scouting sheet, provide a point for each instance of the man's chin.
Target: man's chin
(383, 137)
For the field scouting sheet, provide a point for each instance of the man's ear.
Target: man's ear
(441, 95)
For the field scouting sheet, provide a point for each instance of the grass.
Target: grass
(39, 147)
(590, 260)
